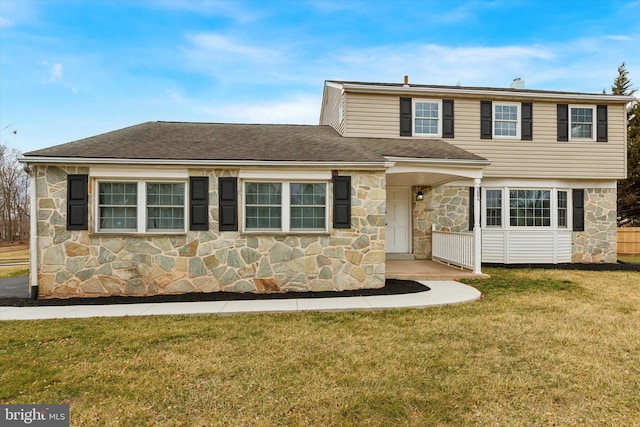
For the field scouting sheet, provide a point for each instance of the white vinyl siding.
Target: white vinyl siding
(333, 109)
(526, 247)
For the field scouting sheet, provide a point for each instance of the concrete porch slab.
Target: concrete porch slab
(426, 270)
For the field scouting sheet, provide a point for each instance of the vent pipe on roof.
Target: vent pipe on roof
(406, 81)
(517, 83)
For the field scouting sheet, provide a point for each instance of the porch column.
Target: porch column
(477, 233)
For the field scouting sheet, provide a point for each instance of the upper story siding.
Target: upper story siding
(377, 115)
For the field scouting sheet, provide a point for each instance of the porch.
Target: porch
(427, 270)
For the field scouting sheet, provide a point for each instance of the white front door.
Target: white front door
(397, 234)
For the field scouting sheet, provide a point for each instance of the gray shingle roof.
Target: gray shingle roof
(222, 141)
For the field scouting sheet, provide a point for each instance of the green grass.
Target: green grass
(629, 258)
(541, 348)
(14, 271)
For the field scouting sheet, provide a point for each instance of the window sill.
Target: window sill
(283, 233)
(136, 234)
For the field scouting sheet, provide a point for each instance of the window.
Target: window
(494, 208)
(141, 206)
(581, 122)
(505, 120)
(285, 206)
(562, 209)
(165, 206)
(117, 203)
(263, 205)
(308, 203)
(530, 208)
(427, 117)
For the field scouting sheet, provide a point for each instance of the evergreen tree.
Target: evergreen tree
(629, 189)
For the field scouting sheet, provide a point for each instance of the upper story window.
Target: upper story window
(581, 122)
(509, 120)
(427, 118)
(141, 206)
(285, 206)
(506, 119)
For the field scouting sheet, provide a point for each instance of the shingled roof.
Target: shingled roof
(255, 142)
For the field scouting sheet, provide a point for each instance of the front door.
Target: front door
(397, 234)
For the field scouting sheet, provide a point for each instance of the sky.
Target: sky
(74, 69)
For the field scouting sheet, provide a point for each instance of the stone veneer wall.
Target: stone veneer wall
(445, 206)
(598, 241)
(86, 264)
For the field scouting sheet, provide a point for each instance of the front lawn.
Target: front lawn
(541, 348)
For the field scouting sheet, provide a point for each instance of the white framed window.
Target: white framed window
(563, 208)
(582, 122)
(285, 206)
(510, 208)
(493, 202)
(141, 206)
(427, 117)
(530, 208)
(506, 120)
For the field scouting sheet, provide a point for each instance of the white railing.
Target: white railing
(453, 248)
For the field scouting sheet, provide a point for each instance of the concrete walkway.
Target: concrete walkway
(441, 293)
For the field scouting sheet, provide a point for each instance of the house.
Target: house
(467, 175)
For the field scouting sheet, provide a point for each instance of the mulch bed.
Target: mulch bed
(620, 266)
(391, 287)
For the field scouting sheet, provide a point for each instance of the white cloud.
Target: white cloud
(232, 10)
(56, 73)
(5, 22)
(300, 109)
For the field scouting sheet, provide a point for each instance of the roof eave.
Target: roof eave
(488, 92)
(210, 163)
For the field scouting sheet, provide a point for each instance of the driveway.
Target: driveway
(14, 287)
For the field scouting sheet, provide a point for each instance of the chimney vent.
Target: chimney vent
(517, 83)
(406, 81)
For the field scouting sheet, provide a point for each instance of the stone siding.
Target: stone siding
(598, 241)
(87, 264)
(445, 206)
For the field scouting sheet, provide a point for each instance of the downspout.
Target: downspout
(33, 230)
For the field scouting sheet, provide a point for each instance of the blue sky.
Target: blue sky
(72, 69)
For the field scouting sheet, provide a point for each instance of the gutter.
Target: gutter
(33, 234)
(518, 93)
(200, 163)
(447, 162)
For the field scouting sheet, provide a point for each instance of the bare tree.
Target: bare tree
(14, 196)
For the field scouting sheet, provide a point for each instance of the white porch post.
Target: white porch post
(477, 232)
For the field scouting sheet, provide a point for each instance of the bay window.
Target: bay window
(509, 208)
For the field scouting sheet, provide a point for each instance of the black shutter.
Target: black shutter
(341, 202)
(602, 123)
(198, 203)
(447, 118)
(526, 133)
(472, 207)
(406, 117)
(486, 117)
(563, 122)
(228, 204)
(578, 210)
(77, 202)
